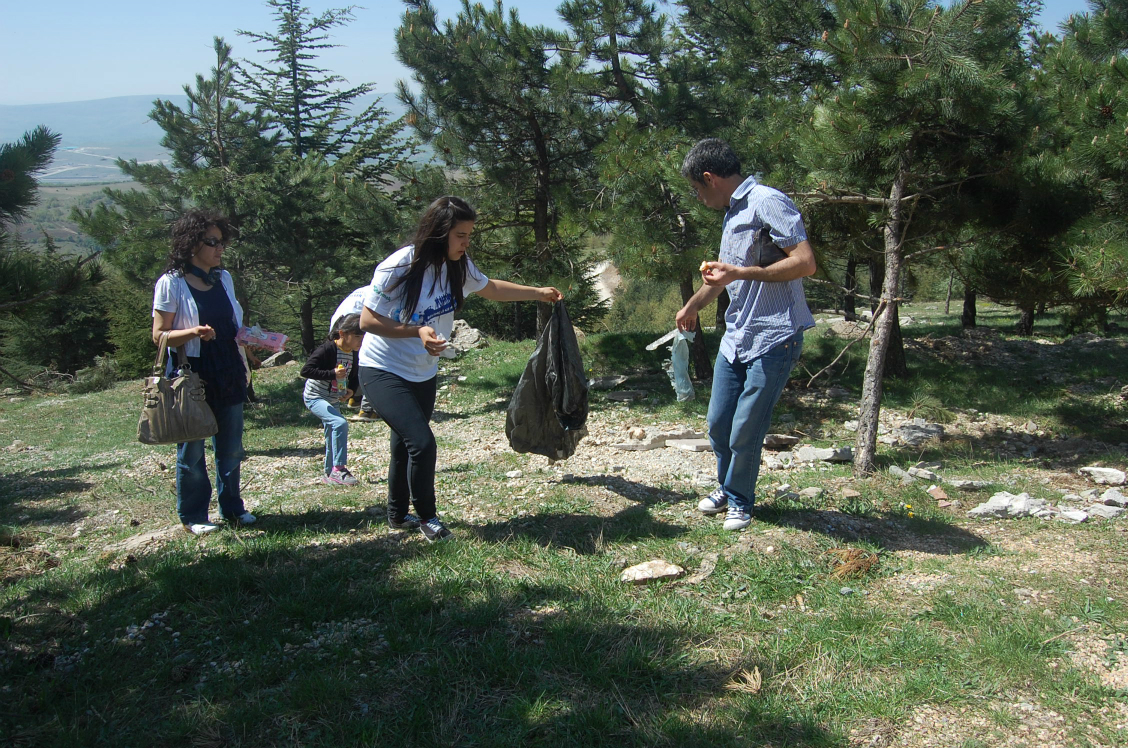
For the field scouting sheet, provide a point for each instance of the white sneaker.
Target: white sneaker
(246, 518)
(714, 503)
(202, 528)
(737, 518)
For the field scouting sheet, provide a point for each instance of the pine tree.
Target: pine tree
(929, 98)
(498, 103)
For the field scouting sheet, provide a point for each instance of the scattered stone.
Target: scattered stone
(807, 453)
(690, 445)
(1104, 512)
(846, 591)
(849, 493)
(514, 474)
(278, 359)
(1104, 476)
(626, 396)
(899, 473)
(924, 474)
(656, 441)
(464, 337)
(708, 564)
(1030, 427)
(637, 433)
(1090, 494)
(838, 392)
(945, 504)
(918, 433)
(780, 441)
(1006, 505)
(1113, 497)
(1073, 516)
(605, 383)
(814, 492)
(969, 485)
(651, 571)
(937, 493)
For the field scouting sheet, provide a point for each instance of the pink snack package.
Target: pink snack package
(256, 337)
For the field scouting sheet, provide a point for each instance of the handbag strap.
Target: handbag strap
(162, 349)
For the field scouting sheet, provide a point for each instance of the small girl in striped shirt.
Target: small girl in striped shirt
(331, 376)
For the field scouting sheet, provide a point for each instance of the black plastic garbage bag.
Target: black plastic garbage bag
(550, 405)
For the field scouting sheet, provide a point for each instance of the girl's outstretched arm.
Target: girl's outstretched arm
(499, 290)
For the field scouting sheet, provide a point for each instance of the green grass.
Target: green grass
(318, 627)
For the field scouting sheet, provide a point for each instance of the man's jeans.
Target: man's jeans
(740, 413)
(193, 489)
(336, 432)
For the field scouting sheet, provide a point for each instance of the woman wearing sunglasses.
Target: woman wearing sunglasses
(194, 301)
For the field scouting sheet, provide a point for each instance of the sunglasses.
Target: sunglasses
(215, 242)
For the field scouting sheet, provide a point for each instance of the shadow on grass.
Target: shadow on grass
(20, 490)
(888, 531)
(334, 645)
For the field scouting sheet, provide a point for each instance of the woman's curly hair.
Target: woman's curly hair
(188, 232)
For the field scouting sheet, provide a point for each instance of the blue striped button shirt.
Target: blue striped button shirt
(760, 315)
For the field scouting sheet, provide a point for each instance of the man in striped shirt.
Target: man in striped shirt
(764, 255)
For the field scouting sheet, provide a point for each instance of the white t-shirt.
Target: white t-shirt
(352, 304)
(406, 357)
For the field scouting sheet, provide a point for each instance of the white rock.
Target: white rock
(650, 571)
(514, 474)
(969, 485)
(924, 473)
(690, 445)
(1113, 497)
(1105, 512)
(1004, 504)
(807, 453)
(1104, 476)
(814, 492)
(1073, 516)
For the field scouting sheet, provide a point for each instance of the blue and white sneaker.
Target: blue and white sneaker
(737, 518)
(714, 503)
(434, 530)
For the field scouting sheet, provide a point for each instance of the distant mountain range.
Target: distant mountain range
(122, 120)
(95, 133)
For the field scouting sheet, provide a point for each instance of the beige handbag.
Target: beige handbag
(174, 410)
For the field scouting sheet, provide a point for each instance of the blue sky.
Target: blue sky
(74, 50)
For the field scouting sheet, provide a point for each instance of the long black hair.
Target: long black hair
(187, 233)
(431, 242)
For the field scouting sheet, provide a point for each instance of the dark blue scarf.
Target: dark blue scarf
(211, 277)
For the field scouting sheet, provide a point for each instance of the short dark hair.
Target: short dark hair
(711, 155)
(348, 323)
(188, 232)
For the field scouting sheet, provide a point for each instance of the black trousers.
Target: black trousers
(407, 408)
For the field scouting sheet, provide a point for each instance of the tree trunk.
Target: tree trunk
(849, 303)
(896, 366)
(865, 447)
(876, 280)
(309, 341)
(722, 307)
(702, 368)
(967, 319)
(948, 297)
(1026, 320)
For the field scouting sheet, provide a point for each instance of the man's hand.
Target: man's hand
(686, 318)
(718, 274)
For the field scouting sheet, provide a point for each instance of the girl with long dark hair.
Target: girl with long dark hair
(409, 313)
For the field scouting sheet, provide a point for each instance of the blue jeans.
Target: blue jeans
(336, 432)
(193, 489)
(740, 413)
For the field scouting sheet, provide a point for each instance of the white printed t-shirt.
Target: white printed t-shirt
(406, 357)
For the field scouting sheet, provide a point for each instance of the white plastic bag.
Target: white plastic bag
(679, 365)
